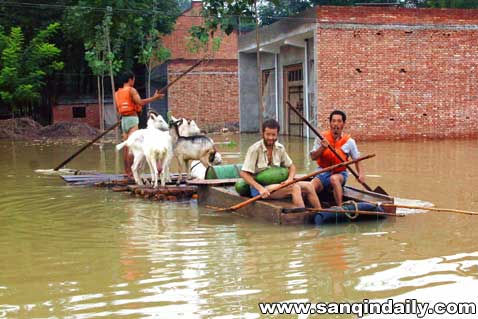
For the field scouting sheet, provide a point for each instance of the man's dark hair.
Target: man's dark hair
(270, 123)
(338, 112)
(125, 76)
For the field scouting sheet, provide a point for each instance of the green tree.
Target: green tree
(129, 19)
(24, 68)
(152, 52)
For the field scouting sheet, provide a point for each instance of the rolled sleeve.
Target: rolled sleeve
(250, 161)
(317, 144)
(350, 147)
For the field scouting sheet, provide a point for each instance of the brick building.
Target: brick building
(83, 110)
(210, 93)
(396, 72)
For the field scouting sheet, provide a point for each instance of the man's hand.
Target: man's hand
(361, 178)
(324, 143)
(289, 179)
(264, 192)
(158, 95)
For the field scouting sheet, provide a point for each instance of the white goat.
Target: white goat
(150, 144)
(156, 121)
(198, 170)
(187, 148)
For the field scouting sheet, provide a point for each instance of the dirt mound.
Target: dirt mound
(68, 130)
(26, 128)
(23, 127)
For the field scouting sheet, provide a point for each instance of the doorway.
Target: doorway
(294, 93)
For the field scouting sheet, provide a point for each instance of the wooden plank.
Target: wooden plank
(101, 177)
(371, 197)
(265, 210)
(224, 181)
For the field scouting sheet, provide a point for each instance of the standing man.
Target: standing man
(345, 146)
(129, 104)
(266, 153)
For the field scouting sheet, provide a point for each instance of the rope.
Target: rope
(349, 215)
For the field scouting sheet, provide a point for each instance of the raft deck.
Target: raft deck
(272, 210)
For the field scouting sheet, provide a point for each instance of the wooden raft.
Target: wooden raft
(168, 192)
(119, 183)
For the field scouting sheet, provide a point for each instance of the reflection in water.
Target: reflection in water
(86, 253)
(413, 274)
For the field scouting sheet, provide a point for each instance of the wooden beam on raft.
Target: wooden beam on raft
(171, 193)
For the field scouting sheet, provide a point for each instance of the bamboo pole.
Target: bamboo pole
(449, 210)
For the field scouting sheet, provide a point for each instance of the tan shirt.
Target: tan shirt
(256, 158)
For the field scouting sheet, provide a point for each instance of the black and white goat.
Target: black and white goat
(188, 148)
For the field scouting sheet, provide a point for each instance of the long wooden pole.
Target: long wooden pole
(312, 128)
(284, 185)
(119, 122)
(449, 210)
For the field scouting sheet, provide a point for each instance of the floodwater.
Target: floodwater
(82, 252)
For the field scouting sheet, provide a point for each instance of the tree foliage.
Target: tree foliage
(24, 65)
(130, 22)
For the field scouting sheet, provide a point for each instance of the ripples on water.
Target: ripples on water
(79, 252)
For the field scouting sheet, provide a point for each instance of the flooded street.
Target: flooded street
(84, 252)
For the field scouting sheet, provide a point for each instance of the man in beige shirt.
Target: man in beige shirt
(266, 153)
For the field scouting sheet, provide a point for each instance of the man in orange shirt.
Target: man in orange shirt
(129, 104)
(345, 146)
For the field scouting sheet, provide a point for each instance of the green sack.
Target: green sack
(272, 175)
(242, 188)
(223, 171)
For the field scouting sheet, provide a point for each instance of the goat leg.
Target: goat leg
(135, 169)
(180, 173)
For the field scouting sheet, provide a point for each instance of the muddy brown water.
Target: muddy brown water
(81, 252)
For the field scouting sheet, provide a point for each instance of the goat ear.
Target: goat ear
(153, 116)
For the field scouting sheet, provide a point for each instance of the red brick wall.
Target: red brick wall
(209, 94)
(64, 113)
(399, 83)
(394, 15)
(177, 40)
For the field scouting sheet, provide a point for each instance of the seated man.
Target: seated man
(345, 146)
(266, 153)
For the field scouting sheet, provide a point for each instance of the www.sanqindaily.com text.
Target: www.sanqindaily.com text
(367, 307)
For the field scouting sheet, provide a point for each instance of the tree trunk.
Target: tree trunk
(98, 85)
(107, 35)
(103, 98)
(14, 125)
